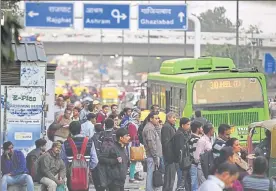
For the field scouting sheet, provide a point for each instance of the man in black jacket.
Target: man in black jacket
(167, 132)
(182, 153)
(116, 161)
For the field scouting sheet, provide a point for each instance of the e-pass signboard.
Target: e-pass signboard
(24, 109)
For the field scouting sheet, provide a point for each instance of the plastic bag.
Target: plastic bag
(138, 167)
(61, 188)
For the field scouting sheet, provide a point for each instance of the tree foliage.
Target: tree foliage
(11, 6)
(10, 29)
(145, 65)
(9, 32)
(216, 21)
(229, 51)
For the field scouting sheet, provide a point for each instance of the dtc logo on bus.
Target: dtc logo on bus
(23, 98)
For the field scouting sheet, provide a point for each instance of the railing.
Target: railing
(237, 119)
(163, 37)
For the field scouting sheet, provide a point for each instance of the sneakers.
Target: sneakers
(138, 176)
(133, 181)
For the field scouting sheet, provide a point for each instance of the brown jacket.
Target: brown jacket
(63, 131)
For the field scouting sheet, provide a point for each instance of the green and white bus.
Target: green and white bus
(213, 85)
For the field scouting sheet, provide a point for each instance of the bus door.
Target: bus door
(168, 101)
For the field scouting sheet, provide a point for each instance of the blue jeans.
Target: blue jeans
(179, 176)
(18, 179)
(162, 165)
(193, 172)
(150, 169)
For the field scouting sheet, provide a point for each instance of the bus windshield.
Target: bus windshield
(227, 91)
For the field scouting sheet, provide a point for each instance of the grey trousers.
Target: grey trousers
(169, 178)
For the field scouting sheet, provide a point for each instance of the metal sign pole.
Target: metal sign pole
(185, 40)
(101, 58)
(123, 53)
(237, 36)
(2, 23)
(149, 65)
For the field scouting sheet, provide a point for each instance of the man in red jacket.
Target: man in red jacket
(102, 115)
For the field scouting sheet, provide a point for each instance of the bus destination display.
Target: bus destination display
(230, 90)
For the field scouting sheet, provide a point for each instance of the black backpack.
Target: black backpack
(107, 141)
(207, 162)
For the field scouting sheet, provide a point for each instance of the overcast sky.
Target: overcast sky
(256, 13)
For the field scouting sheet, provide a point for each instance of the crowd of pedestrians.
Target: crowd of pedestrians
(93, 143)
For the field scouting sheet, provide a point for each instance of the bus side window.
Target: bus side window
(153, 96)
(157, 94)
(175, 100)
(168, 101)
(149, 97)
(171, 98)
(182, 100)
(163, 99)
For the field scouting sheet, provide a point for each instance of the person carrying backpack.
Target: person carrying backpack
(116, 161)
(204, 153)
(32, 157)
(80, 150)
(104, 141)
(182, 153)
(107, 137)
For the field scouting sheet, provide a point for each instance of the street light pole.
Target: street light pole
(149, 49)
(123, 53)
(185, 40)
(237, 36)
(101, 58)
(2, 137)
(252, 48)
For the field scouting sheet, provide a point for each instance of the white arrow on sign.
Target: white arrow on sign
(33, 14)
(115, 13)
(181, 16)
(124, 16)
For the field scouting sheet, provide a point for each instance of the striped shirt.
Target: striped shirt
(256, 183)
(217, 146)
(193, 144)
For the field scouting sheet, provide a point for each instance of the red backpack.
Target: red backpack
(78, 170)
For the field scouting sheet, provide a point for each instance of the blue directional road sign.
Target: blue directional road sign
(163, 17)
(103, 69)
(269, 64)
(53, 15)
(106, 16)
